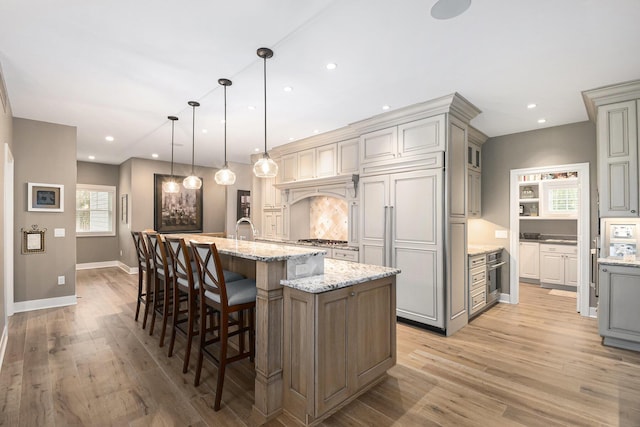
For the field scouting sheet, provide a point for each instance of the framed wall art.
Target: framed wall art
(244, 204)
(179, 212)
(124, 208)
(45, 197)
(33, 240)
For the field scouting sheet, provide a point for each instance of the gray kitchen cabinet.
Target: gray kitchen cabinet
(474, 193)
(474, 154)
(619, 306)
(404, 231)
(348, 152)
(618, 159)
(401, 142)
(477, 283)
(558, 265)
(529, 260)
(615, 111)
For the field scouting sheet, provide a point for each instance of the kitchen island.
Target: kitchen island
(282, 274)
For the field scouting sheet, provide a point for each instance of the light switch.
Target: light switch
(502, 234)
(58, 232)
(60, 280)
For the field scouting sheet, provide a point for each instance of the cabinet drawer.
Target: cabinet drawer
(478, 277)
(477, 261)
(478, 300)
(345, 255)
(560, 249)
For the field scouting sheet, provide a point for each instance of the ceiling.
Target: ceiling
(120, 67)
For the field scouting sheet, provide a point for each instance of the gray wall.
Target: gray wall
(6, 137)
(102, 248)
(572, 143)
(44, 153)
(136, 180)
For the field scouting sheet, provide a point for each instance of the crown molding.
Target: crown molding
(620, 92)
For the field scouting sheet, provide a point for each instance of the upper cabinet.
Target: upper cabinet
(325, 160)
(313, 163)
(289, 167)
(475, 139)
(348, 157)
(615, 109)
(406, 140)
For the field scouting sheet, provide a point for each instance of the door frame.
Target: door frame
(583, 229)
(8, 232)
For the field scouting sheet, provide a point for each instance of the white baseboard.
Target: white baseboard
(3, 344)
(127, 269)
(91, 265)
(40, 304)
(505, 298)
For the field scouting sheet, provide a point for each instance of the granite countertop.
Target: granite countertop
(319, 245)
(340, 274)
(473, 250)
(619, 261)
(257, 251)
(553, 239)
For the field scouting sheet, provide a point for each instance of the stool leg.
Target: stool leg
(139, 291)
(148, 298)
(190, 333)
(174, 322)
(224, 336)
(166, 312)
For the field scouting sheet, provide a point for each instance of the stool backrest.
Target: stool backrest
(210, 270)
(181, 260)
(144, 261)
(157, 250)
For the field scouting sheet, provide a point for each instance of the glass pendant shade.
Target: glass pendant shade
(171, 186)
(265, 167)
(192, 182)
(225, 176)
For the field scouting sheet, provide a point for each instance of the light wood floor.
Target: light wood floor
(535, 364)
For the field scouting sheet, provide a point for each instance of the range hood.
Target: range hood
(344, 186)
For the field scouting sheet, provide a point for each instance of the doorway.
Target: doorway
(582, 227)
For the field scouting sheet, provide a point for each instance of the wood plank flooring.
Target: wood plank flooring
(534, 364)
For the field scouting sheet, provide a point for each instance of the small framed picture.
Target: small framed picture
(33, 240)
(45, 197)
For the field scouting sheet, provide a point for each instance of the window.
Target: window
(95, 210)
(560, 198)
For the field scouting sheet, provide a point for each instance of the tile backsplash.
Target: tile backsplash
(328, 218)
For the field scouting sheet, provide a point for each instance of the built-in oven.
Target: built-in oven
(494, 276)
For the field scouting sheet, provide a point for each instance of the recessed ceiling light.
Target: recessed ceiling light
(385, 107)
(531, 106)
(542, 121)
(222, 121)
(288, 88)
(257, 150)
(109, 138)
(251, 107)
(154, 155)
(316, 131)
(332, 66)
(447, 9)
(204, 131)
(92, 157)
(291, 138)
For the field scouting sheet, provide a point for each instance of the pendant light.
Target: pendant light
(265, 167)
(171, 186)
(192, 182)
(225, 176)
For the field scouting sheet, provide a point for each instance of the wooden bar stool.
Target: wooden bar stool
(145, 268)
(162, 282)
(228, 298)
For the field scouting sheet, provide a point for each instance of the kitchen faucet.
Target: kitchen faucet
(246, 219)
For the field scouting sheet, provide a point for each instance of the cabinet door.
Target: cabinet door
(422, 136)
(326, 160)
(618, 159)
(619, 303)
(457, 171)
(571, 270)
(474, 194)
(348, 157)
(289, 167)
(374, 199)
(335, 381)
(268, 225)
(268, 192)
(529, 260)
(307, 164)
(378, 146)
(473, 156)
(415, 215)
(551, 268)
(354, 223)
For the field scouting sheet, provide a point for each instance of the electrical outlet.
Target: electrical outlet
(120, 252)
(60, 280)
(502, 234)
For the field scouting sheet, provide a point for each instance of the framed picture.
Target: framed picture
(179, 212)
(124, 208)
(33, 240)
(45, 197)
(244, 203)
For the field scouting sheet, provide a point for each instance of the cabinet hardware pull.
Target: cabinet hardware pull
(353, 294)
(604, 270)
(633, 211)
